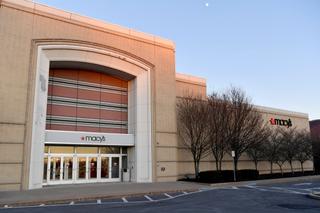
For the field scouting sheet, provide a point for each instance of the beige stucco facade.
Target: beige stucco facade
(187, 85)
(34, 35)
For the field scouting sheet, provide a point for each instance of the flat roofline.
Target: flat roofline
(281, 111)
(38, 9)
(191, 78)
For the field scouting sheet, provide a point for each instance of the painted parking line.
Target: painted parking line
(169, 196)
(302, 184)
(288, 190)
(149, 198)
(142, 199)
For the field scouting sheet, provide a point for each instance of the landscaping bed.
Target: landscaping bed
(242, 175)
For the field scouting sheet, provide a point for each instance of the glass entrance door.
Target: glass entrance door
(104, 169)
(92, 170)
(81, 168)
(115, 168)
(59, 168)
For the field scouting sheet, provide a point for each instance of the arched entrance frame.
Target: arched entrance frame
(139, 103)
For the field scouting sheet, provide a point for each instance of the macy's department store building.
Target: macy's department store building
(84, 101)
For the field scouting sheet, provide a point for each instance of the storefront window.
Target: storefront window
(124, 150)
(87, 150)
(110, 150)
(46, 149)
(61, 149)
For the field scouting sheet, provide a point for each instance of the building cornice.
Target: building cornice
(40, 9)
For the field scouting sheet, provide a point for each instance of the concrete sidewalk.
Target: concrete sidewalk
(68, 193)
(65, 193)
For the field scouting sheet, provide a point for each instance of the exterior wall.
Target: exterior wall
(315, 133)
(35, 25)
(300, 121)
(40, 34)
(190, 85)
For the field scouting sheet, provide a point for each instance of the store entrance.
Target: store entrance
(62, 168)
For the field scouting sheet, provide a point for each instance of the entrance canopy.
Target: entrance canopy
(88, 138)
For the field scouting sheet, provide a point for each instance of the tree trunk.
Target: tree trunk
(236, 164)
(290, 162)
(220, 164)
(196, 169)
(271, 167)
(256, 164)
(302, 167)
(217, 165)
(281, 170)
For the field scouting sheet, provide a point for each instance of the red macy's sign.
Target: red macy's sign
(281, 122)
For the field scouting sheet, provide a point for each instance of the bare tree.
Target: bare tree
(290, 144)
(246, 127)
(271, 148)
(280, 155)
(256, 153)
(192, 113)
(218, 122)
(304, 151)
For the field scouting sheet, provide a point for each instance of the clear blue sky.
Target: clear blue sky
(269, 48)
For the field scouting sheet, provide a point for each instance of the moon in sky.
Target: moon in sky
(207, 4)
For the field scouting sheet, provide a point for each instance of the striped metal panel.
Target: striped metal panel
(87, 101)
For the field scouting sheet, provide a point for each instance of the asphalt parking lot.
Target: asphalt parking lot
(285, 197)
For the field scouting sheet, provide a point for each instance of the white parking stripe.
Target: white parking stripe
(185, 193)
(302, 184)
(125, 200)
(169, 196)
(98, 201)
(255, 187)
(149, 198)
(71, 203)
(42, 204)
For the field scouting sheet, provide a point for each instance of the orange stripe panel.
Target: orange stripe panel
(114, 98)
(88, 94)
(109, 80)
(67, 74)
(63, 127)
(64, 91)
(88, 129)
(64, 110)
(113, 115)
(49, 108)
(113, 130)
(88, 113)
(89, 76)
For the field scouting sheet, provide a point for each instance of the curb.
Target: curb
(268, 181)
